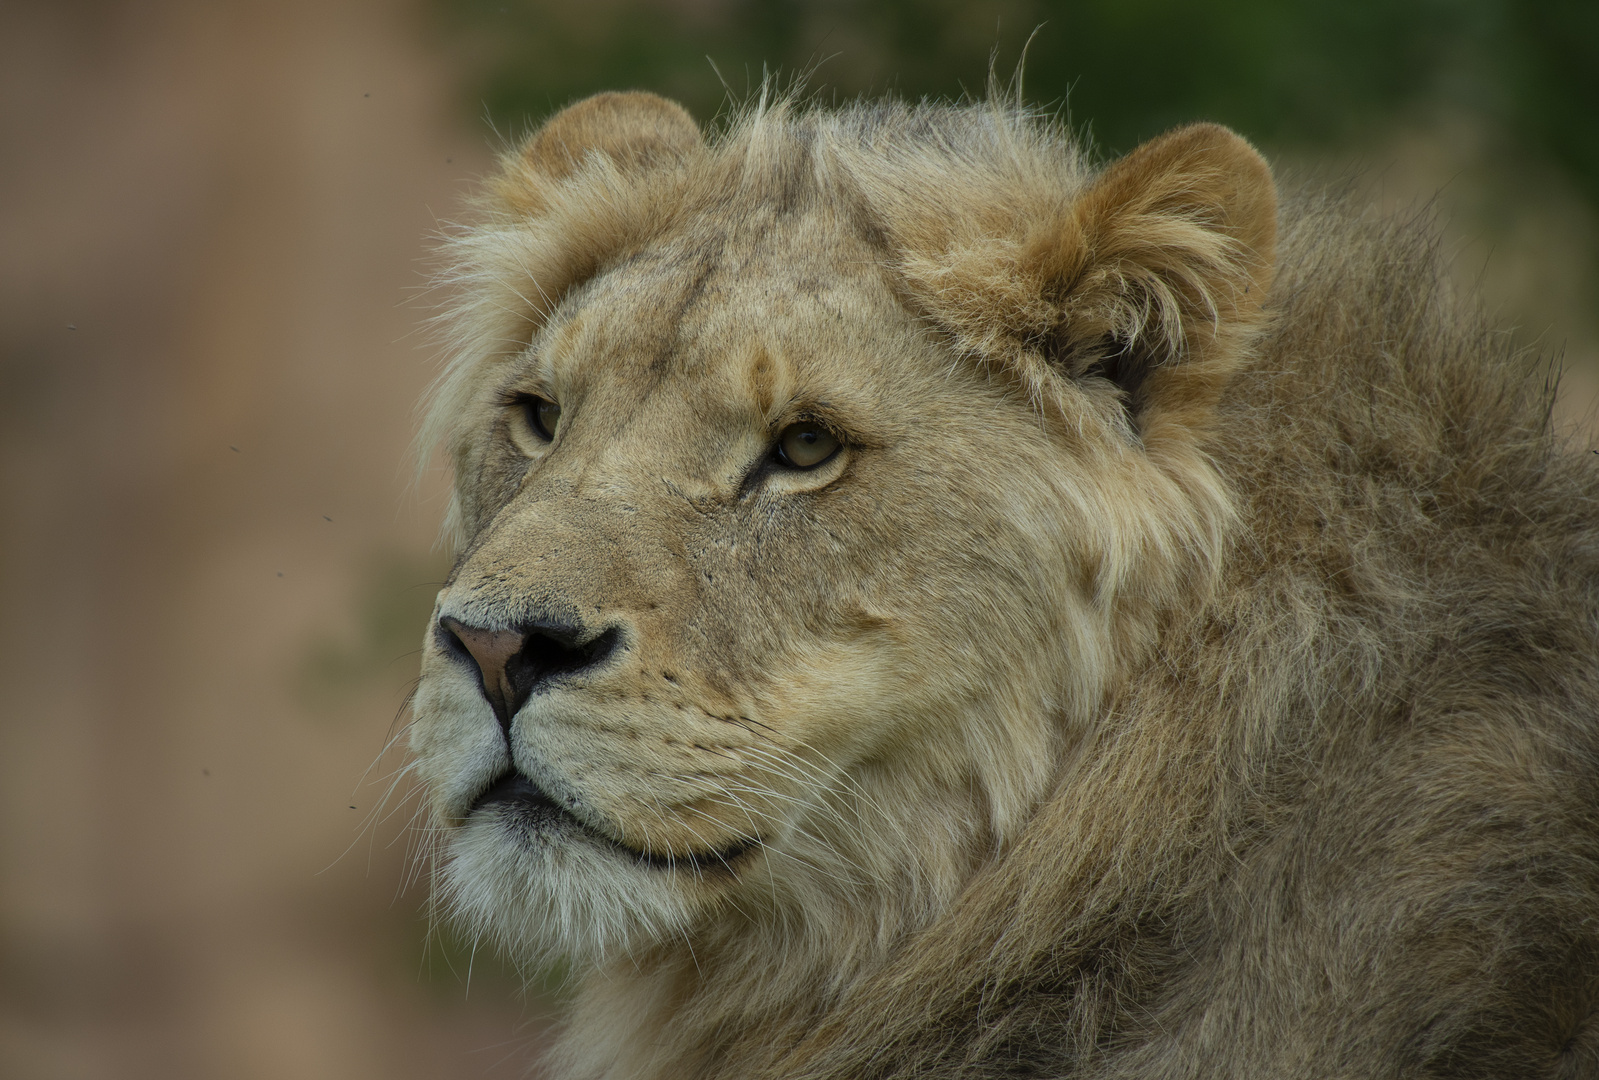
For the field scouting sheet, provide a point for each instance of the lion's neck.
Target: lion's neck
(714, 1011)
(721, 1000)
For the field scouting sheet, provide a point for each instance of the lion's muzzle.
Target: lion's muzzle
(511, 664)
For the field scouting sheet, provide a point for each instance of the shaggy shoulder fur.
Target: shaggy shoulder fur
(1347, 821)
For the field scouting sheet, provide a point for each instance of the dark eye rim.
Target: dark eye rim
(782, 458)
(529, 404)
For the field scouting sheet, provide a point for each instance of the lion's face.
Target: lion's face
(773, 597)
(729, 621)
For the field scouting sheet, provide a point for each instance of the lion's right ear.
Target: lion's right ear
(637, 131)
(592, 180)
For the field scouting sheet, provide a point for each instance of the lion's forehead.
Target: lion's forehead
(709, 306)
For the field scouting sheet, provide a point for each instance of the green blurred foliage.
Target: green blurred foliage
(394, 599)
(452, 962)
(1289, 73)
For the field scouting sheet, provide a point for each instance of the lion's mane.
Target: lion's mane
(1313, 789)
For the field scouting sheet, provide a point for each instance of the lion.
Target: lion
(930, 603)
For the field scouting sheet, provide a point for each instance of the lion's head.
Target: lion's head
(815, 486)
(928, 606)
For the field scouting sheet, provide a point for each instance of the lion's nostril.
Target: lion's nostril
(513, 663)
(490, 651)
(550, 650)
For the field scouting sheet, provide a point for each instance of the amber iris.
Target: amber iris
(805, 445)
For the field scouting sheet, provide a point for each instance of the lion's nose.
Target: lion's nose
(513, 663)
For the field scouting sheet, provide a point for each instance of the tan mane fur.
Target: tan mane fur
(1236, 713)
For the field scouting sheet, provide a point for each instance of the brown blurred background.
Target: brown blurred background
(214, 561)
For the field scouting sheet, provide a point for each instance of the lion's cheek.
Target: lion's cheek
(661, 778)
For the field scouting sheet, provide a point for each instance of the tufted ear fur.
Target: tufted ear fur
(1151, 279)
(637, 131)
(1167, 287)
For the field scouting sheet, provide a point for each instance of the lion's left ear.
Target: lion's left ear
(1166, 287)
(1152, 278)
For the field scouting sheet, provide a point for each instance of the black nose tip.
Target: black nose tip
(512, 664)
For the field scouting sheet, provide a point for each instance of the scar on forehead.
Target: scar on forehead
(769, 378)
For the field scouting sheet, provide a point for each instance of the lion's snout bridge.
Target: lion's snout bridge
(514, 663)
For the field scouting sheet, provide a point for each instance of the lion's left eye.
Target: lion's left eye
(533, 421)
(805, 445)
(542, 416)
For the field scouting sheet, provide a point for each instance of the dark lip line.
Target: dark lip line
(520, 788)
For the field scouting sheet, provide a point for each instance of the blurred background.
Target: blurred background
(215, 224)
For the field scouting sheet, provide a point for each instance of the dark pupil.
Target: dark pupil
(807, 437)
(544, 415)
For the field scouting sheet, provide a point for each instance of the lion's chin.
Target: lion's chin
(526, 873)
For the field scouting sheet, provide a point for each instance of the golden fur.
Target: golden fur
(1186, 667)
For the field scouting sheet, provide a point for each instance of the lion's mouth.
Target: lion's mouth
(519, 801)
(522, 800)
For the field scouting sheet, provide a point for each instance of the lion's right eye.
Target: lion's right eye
(533, 421)
(806, 445)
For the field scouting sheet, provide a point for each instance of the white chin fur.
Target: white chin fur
(549, 895)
